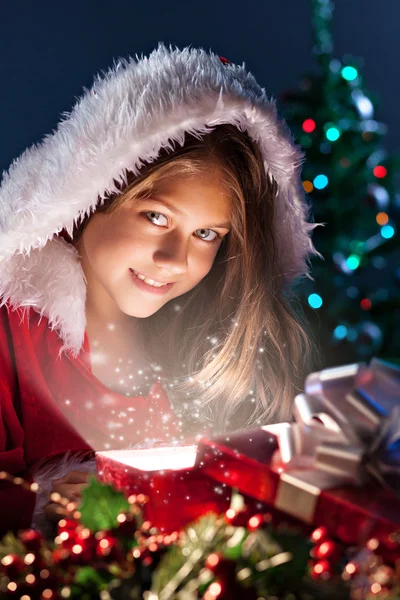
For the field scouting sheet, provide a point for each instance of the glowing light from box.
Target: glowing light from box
(155, 459)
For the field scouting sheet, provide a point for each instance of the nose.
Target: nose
(172, 256)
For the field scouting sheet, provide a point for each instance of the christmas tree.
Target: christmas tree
(352, 182)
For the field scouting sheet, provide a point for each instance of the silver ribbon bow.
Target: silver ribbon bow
(348, 424)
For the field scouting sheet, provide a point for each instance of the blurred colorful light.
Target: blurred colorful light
(333, 134)
(353, 262)
(308, 186)
(382, 218)
(365, 304)
(349, 73)
(309, 125)
(320, 182)
(340, 332)
(387, 232)
(380, 171)
(315, 301)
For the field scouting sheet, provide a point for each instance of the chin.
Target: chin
(140, 313)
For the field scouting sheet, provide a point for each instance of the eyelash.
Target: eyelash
(218, 238)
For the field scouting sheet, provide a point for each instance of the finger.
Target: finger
(69, 490)
(55, 512)
(74, 477)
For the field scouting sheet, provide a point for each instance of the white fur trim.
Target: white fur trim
(127, 116)
(51, 280)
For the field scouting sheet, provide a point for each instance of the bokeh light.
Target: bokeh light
(315, 300)
(333, 134)
(382, 218)
(309, 125)
(320, 182)
(349, 73)
(340, 332)
(353, 262)
(387, 232)
(380, 172)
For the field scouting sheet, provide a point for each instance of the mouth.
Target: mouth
(148, 284)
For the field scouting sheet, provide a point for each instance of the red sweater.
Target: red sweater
(42, 397)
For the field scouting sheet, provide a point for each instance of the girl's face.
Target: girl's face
(175, 244)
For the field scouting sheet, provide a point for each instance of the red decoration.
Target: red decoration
(309, 125)
(321, 570)
(255, 522)
(224, 60)
(319, 534)
(190, 489)
(108, 546)
(348, 513)
(366, 304)
(32, 539)
(380, 172)
(12, 565)
(327, 550)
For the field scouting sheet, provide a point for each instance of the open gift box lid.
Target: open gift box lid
(172, 477)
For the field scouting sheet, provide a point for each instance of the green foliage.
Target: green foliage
(101, 504)
(11, 545)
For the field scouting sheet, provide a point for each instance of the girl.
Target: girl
(148, 251)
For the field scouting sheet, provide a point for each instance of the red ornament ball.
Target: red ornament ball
(12, 565)
(321, 570)
(109, 548)
(327, 550)
(31, 539)
(319, 534)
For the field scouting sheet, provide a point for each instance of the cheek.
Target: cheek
(109, 248)
(201, 264)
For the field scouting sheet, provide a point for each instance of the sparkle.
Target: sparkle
(98, 358)
(114, 425)
(111, 327)
(68, 402)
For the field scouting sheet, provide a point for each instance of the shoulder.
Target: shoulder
(20, 316)
(20, 326)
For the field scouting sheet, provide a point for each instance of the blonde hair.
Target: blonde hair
(236, 351)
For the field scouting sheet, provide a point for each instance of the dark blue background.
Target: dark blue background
(49, 50)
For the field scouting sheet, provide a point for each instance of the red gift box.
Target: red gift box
(178, 489)
(350, 513)
(324, 475)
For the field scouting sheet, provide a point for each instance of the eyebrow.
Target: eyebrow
(157, 199)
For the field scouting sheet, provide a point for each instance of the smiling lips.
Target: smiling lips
(149, 281)
(149, 285)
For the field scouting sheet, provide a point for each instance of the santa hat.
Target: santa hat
(128, 115)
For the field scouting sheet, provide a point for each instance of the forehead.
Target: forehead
(207, 189)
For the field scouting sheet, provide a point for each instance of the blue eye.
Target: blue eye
(152, 212)
(157, 215)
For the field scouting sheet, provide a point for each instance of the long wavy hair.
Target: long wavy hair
(234, 350)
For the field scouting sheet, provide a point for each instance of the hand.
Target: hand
(70, 486)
